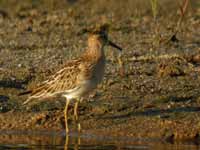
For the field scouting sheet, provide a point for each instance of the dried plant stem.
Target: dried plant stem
(154, 7)
(182, 7)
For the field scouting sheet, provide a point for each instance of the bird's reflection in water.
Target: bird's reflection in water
(44, 140)
(76, 144)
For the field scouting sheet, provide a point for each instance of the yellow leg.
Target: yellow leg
(65, 114)
(76, 119)
(76, 111)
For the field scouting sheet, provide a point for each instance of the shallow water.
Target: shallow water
(74, 141)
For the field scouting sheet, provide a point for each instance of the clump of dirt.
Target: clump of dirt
(172, 68)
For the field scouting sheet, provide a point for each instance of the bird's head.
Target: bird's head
(100, 34)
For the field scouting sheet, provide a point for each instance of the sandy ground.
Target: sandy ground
(156, 95)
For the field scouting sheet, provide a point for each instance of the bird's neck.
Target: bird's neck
(95, 51)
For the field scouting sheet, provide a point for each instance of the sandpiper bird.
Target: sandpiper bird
(79, 76)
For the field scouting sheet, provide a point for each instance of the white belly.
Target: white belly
(81, 90)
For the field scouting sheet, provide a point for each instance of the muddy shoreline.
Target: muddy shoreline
(157, 94)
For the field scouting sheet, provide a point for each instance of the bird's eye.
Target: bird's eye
(103, 36)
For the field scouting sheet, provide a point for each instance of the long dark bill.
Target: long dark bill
(114, 45)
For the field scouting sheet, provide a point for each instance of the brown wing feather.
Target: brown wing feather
(64, 79)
